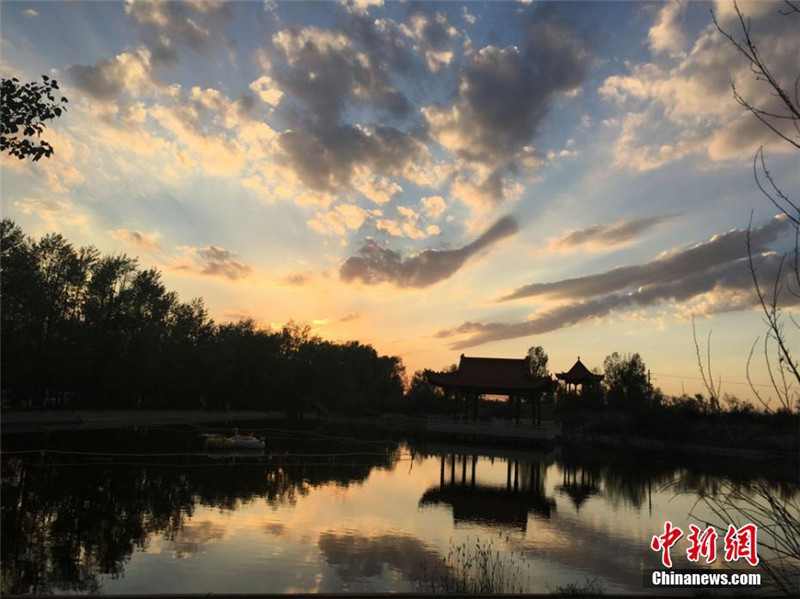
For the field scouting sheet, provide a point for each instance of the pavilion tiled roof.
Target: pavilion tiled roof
(490, 375)
(579, 374)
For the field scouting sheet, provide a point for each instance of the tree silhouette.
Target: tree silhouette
(537, 360)
(626, 381)
(25, 108)
(106, 333)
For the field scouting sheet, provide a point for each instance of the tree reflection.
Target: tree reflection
(625, 478)
(68, 520)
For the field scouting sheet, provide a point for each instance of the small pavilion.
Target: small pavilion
(493, 376)
(579, 375)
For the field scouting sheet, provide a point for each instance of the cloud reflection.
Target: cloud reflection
(355, 556)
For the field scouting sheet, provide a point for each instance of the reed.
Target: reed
(477, 568)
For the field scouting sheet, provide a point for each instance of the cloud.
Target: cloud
(483, 197)
(378, 190)
(214, 132)
(31, 12)
(503, 96)
(238, 315)
(407, 225)
(128, 72)
(670, 266)
(504, 93)
(433, 206)
(602, 236)
(301, 278)
(725, 288)
(682, 104)
(142, 241)
(220, 262)
(54, 212)
(470, 19)
(297, 279)
(214, 261)
(264, 87)
(325, 70)
(181, 21)
(339, 220)
(712, 276)
(667, 36)
(433, 35)
(350, 317)
(361, 6)
(374, 264)
(326, 157)
(725, 11)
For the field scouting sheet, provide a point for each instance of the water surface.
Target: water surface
(334, 509)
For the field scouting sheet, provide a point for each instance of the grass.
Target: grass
(589, 588)
(481, 569)
(474, 569)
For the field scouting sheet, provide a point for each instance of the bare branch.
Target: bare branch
(755, 391)
(708, 383)
(792, 208)
(761, 71)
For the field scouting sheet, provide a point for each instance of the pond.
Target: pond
(334, 508)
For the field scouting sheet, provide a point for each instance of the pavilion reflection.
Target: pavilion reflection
(475, 497)
(579, 484)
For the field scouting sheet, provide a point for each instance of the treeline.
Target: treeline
(625, 386)
(95, 331)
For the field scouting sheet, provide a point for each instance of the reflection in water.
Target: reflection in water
(193, 536)
(66, 519)
(504, 506)
(579, 484)
(75, 522)
(357, 557)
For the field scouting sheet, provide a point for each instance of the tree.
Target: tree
(626, 381)
(25, 108)
(537, 361)
(422, 397)
(782, 117)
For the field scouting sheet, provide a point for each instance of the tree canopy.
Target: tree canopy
(626, 381)
(24, 108)
(106, 333)
(537, 360)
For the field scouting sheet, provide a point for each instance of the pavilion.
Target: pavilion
(493, 376)
(579, 375)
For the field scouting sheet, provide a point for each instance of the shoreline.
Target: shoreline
(69, 420)
(682, 448)
(43, 421)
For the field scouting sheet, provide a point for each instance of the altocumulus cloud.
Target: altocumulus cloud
(375, 264)
(714, 273)
(504, 94)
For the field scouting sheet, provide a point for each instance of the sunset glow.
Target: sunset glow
(431, 178)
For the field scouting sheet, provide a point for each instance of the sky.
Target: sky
(433, 178)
